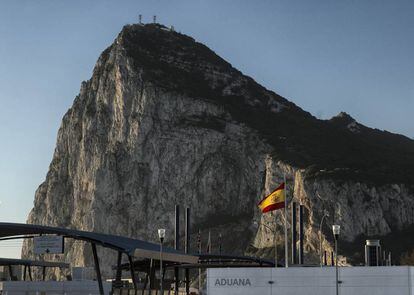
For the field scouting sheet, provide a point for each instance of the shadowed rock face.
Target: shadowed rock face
(165, 121)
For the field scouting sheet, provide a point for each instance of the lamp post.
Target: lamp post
(274, 237)
(325, 214)
(336, 230)
(161, 235)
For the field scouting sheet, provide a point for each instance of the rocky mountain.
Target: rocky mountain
(166, 121)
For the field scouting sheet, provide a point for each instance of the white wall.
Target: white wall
(393, 280)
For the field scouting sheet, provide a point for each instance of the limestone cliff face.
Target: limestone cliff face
(165, 121)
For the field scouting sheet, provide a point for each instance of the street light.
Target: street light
(274, 237)
(161, 235)
(325, 214)
(336, 230)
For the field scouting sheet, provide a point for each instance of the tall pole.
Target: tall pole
(336, 265)
(209, 242)
(286, 233)
(336, 230)
(187, 248)
(301, 256)
(161, 235)
(275, 238)
(294, 233)
(320, 238)
(275, 241)
(199, 252)
(177, 247)
(161, 274)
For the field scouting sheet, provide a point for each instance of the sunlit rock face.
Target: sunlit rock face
(166, 121)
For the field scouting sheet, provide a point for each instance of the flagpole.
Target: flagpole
(199, 252)
(275, 239)
(286, 234)
(209, 243)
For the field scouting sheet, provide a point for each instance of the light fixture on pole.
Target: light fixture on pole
(161, 235)
(336, 230)
(325, 214)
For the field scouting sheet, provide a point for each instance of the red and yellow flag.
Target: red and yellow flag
(274, 201)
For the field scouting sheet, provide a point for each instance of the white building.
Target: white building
(394, 280)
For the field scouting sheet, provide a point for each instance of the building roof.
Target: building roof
(129, 246)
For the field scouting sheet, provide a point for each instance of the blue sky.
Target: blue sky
(326, 56)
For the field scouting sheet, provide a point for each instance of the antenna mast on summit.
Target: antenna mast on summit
(154, 19)
(140, 18)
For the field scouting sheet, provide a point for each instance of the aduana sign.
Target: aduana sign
(233, 282)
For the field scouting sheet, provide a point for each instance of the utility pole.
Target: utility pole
(336, 230)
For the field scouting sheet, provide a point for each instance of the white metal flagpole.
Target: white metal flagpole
(286, 233)
(275, 238)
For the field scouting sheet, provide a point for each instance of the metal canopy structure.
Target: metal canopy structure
(129, 246)
(123, 245)
(9, 262)
(205, 261)
(229, 260)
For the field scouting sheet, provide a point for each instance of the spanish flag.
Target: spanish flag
(274, 201)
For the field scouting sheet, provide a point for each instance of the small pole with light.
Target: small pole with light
(336, 230)
(161, 235)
